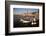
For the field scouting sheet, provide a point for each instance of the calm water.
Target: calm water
(18, 23)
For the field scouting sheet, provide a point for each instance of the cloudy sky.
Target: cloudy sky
(24, 10)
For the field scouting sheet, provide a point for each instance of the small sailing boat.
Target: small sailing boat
(24, 21)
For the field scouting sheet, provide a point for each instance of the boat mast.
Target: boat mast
(27, 11)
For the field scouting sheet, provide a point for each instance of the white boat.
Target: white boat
(24, 21)
(34, 21)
